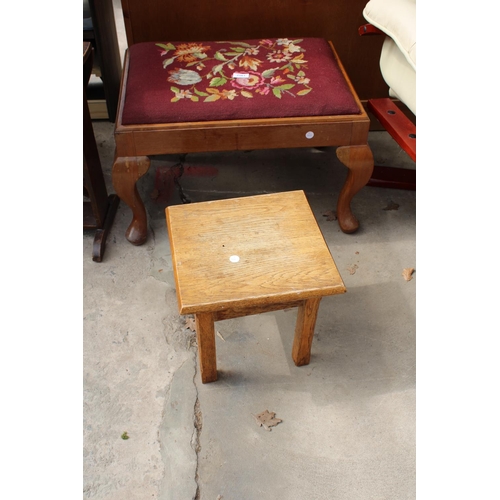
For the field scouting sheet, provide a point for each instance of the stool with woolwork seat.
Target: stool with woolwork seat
(183, 97)
(250, 255)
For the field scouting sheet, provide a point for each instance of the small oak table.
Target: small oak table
(250, 255)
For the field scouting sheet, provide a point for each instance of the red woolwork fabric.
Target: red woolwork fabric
(171, 82)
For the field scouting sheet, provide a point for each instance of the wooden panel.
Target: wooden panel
(240, 138)
(238, 313)
(335, 20)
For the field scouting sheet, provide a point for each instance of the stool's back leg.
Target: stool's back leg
(304, 331)
(126, 172)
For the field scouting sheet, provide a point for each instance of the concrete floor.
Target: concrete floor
(348, 418)
(348, 430)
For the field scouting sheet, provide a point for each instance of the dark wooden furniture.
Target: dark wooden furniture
(335, 20)
(107, 60)
(248, 256)
(99, 212)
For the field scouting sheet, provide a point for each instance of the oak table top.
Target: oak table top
(249, 252)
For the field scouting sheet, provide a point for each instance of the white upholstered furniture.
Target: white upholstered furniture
(398, 60)
(396, 19)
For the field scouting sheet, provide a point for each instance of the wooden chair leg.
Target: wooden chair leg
(205, 335)
(304, 331)
(359, 161)
(126, 172)
(102, 233)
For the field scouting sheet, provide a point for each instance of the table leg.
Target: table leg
(205, 334)
(102, 233)
(304, 331)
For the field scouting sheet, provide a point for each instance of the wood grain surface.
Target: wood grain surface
(304, 331)
(282, 254)
(335, 20)
(205, 336)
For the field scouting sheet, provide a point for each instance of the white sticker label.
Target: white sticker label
(241, 75)
(234, 258)
(309, 135)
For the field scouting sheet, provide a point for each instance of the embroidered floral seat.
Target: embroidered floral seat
(172, 82)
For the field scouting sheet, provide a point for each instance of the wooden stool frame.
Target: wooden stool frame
(302, 342)
(135, 143)
(250, 255)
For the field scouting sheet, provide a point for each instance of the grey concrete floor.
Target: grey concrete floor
(348, 418)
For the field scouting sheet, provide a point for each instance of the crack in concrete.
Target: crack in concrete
(198, 425)
(177, 435)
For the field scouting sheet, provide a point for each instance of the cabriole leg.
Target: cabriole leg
(359, 161)
(126, 172)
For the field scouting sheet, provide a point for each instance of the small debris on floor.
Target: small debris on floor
(220, 335)
(391, 206)
(407, 273)
(219, 497)
(330, 215)
(125, 435)
(267, 419)
(154, 194)
(191, 324)
(352, 269)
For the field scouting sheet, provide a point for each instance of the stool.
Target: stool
(243, 256)
(183, 97)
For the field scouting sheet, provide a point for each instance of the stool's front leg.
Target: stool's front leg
(359, 161)
(126, 172)
(304, 331)
(205, 335)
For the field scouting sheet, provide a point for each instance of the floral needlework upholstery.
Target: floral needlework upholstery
(171, 82)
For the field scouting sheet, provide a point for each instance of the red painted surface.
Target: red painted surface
(369, 29)
(399, 126)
